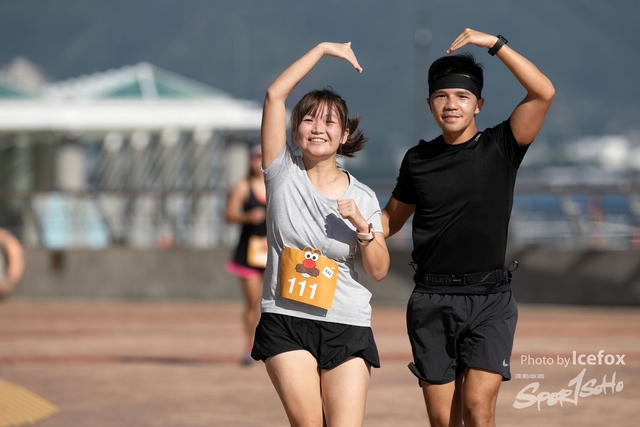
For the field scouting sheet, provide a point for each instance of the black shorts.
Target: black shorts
(330, 343)
(449, 333)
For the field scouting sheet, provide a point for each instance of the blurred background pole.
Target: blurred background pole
(422, 40)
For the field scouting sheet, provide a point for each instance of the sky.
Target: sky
(588, 48)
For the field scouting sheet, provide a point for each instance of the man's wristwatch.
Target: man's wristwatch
(365, 238)
(496, 47)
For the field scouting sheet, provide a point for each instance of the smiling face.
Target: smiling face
(319, 123)
(454, 112)
(320, 132)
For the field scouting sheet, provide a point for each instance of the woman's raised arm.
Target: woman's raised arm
(273, 133)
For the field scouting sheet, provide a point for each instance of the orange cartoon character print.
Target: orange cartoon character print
(308, 277)
(308, 267)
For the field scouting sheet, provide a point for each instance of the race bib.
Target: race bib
(308, 277)
(257, 252)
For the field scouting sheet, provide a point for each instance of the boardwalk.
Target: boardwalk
(117, 364)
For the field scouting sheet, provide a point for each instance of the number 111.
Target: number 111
(302, 284)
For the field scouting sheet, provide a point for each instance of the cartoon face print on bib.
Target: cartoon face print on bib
(308, 277)
(308, 267)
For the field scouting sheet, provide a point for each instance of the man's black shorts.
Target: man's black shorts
(449, 333)
(330, 343)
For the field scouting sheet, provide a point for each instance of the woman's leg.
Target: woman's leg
(344, 391)
(295, 376)
(252, 289)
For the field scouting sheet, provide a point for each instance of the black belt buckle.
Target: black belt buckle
(459, 280)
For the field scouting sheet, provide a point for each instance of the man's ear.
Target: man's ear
(429, 104)
(479, 105)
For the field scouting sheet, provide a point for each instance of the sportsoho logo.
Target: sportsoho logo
(577, 388)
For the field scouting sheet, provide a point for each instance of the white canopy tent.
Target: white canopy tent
(126, 134)
(142, 96)
(91, 115)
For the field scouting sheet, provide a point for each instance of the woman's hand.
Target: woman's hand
(349, 211)
(341, 50)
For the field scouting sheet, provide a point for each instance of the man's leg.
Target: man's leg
(485, 351)
(444, 403)
(479, 397)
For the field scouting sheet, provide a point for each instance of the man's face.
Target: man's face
(454, 109)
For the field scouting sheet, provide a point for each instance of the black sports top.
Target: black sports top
(248, 230)
(463, 195)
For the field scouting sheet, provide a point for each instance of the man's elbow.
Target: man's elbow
(392, 229)
(388, 229)
(549, 93)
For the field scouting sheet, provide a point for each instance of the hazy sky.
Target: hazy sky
(589, 48)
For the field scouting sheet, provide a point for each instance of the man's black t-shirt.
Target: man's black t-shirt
(463, 195)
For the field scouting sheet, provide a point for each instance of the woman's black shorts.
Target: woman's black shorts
(330, 343)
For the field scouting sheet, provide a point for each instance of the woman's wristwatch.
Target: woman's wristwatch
(365, 238)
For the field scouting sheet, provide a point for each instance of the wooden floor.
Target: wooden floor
(176, 364)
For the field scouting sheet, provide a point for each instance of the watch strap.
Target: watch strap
(498, 45)
(366, 237)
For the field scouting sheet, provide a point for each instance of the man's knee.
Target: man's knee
(478, 411)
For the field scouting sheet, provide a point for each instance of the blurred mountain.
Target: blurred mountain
(589, 48)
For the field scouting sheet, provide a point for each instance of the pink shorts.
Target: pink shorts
(241, 271)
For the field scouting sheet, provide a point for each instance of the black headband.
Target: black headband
(455, 81)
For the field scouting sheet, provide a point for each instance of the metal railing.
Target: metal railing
(195, 219)
(97, 220)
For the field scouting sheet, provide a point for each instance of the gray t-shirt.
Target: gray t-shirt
(299, 216)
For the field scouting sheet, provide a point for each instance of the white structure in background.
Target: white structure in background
(131, 98)
(611, 152)
(157, 152)
(23, 74)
